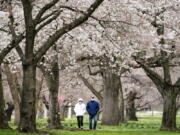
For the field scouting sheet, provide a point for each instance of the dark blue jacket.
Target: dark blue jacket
(92, 107)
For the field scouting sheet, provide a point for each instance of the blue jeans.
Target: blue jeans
(91, 119)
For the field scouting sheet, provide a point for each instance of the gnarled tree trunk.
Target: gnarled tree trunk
(111, 114)
(169, 111)
(169, 92)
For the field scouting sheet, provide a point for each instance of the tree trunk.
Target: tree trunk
(130, 109)
(169, 111)
(131, 114)
(169, 93)
(14, 85)
(53, 85)
(3, 122)
(39, 85)
(121, 104)
(28, 112)
(54, 117)
(111, 107)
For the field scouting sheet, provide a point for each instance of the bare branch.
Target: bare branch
(43, 10)
(48, 21)
(47, 16)
(4, 30)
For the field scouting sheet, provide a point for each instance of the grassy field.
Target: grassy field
(145, 126)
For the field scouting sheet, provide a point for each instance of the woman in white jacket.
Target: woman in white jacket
(80, 109)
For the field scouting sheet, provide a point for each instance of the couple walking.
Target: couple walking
(92, 108)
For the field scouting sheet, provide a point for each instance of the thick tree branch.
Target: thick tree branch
(151, 72)
(60, 32)
(167, 74)
(20, 52)
(166, 67)
(158, 81)
(95, 92)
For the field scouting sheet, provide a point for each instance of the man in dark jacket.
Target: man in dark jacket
(92, 109)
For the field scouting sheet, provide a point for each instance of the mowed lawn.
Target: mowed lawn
(145, 126)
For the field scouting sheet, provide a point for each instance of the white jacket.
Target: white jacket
(80, 109)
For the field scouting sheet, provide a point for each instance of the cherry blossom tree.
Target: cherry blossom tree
(30, 58)
(159, 14)
(119, 36)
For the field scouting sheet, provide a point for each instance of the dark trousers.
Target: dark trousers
(91, 119)
(80, 121)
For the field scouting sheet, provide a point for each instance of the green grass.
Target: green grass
(145, 126)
